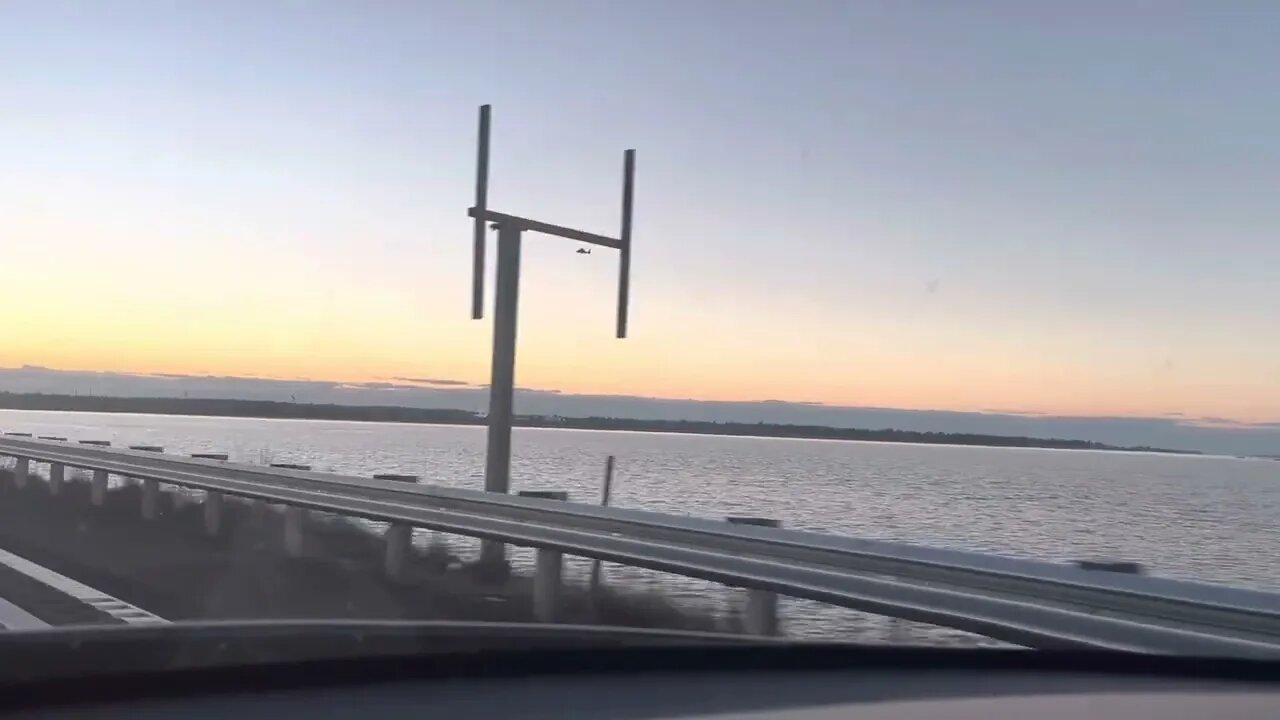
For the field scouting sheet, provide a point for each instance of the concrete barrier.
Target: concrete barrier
(1117, 566)
(761, 615)
(147, 448)
(18, 434)
(51, 437)
(96, 443)
(548, 568)
(399, 538)
(211, 456)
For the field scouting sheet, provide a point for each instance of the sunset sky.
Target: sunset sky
(1060, 208)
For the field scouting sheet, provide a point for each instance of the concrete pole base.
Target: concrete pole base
(21, 469)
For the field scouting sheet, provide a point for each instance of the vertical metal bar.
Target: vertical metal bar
(482, 203)
(497, 466)
(605, 492)
(624, 254)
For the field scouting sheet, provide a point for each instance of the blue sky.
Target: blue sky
(1003, 205)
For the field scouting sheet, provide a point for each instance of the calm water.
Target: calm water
(1206, 518)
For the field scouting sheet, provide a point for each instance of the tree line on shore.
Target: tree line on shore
(220, 407)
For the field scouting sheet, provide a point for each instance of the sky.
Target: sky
(1064, 209)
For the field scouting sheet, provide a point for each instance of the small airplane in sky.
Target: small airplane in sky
(584, 251)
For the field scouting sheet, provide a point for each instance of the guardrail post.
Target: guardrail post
(761, 616)
(548, 575)
(57, 476)
(98, 488)
(21, 469)
(399, 537)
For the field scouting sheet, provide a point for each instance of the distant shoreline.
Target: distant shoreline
(267, 409)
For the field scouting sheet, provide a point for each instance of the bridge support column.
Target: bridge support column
(548, 577)
(21, 469)
(213, 512)
(150, 499)
(294, 536)
(98, 488)
(399, 537)
(547, 581)
(57, 476)
(761, 614)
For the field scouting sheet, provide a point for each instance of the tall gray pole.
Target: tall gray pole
(497, 466)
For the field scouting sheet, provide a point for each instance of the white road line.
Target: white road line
(13, 617)
(112, 606)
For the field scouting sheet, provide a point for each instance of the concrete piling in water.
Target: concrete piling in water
(548, 572)
(547, 581)
(399, 537)
(98, 488)
(294, 535)
(21, 469)
(213, 512)
(57, 476)
(150, 488)
(761, 615)
(150, 499)
(294, 519)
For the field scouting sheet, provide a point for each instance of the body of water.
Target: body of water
(1205, 518)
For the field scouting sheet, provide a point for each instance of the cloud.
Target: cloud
(433, 381)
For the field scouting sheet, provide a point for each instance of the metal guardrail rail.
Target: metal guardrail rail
(1038, 604)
